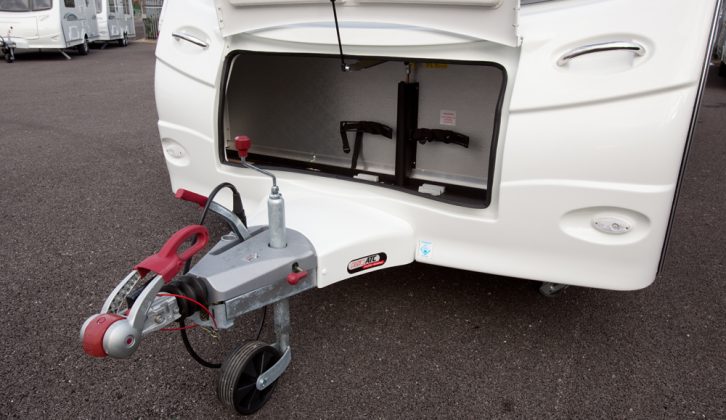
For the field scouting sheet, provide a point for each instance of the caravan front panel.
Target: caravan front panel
(576, 116)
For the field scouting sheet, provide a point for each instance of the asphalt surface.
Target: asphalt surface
(85, 195)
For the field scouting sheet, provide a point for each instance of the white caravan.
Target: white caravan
(46, 24)
(543, 141)
(115, 21)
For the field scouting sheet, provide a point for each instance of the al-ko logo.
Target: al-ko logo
(365, 263)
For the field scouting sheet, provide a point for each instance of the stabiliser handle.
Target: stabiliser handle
(193, 197)
(202, 200)
(167, 262)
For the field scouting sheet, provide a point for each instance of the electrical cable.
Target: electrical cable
(211, 196)
(262, 324)
(182, 325)
(210, 199)
(185, 339)
(204, 308)
(183, 331)
(190, 350)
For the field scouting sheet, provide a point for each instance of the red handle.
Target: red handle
(187, 195)
(243, 145)
(294, 278)
(167, 262)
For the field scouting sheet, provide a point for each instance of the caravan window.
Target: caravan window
(42, 4)
(14, 5)
(111, 6)
(70, 3)
(126, 7)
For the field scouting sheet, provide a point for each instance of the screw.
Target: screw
(158, 319)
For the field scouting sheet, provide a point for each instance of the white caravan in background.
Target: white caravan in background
(115, 21)
(46, 24)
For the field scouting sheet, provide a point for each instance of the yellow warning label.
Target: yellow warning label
(436, 65)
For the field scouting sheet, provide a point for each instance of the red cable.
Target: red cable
(214, 321)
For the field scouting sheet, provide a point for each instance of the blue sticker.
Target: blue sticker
(425, 248)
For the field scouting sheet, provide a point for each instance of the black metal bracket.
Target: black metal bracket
(428, 135)
(406, 123)
(361, 127)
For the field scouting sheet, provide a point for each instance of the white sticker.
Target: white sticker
(425, 248)
(447, 117)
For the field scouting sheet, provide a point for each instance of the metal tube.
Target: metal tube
(276, 219)
(282, 324)
(275, 211)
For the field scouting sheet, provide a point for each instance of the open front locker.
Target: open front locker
(428, 128)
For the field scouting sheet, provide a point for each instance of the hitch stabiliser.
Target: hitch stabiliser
(247, 269)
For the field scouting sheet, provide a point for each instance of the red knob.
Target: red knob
(243, 145)
(293, 278)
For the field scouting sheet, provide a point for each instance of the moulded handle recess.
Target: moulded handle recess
(190, 38)
(635, 47)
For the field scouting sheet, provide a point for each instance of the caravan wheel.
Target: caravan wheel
(9, 54)
(83, 48)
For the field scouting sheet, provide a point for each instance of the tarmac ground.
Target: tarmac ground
(85, 196)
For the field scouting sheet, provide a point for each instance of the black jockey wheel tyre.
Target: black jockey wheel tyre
(123, 41)
(83, 48)
(237, 386)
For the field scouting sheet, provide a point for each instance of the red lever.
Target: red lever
(187, 195)
(295, 277)
(243, 145)
(167, 262)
